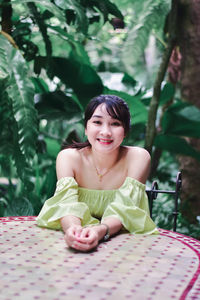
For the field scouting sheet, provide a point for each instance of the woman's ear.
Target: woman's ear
(86, 131)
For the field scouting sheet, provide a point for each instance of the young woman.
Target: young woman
(101, 184)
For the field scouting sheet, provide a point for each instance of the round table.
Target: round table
(36, 264)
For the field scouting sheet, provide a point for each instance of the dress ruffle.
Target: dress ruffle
(64, 202)
(129, 204)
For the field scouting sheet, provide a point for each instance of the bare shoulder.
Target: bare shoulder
(68, 154)
(138, 153)
(139, 162)
(66, 162)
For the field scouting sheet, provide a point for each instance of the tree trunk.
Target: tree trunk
(189, 41)
(6, 15)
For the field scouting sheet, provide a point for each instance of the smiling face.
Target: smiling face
(104, 133)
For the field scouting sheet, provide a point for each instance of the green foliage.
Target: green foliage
(185, 116)
(52, 146)
(148, 18)
(18, 109)
(167, 93)
(175, 145)
(80, 77)
(75, 12)
(57, 105)
(180, 120)
(17, 204)
(163, 215)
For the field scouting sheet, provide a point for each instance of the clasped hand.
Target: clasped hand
(81, 238)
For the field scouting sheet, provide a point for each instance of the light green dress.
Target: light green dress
(129, 204)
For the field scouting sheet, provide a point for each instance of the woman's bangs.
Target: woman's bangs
(113, 111)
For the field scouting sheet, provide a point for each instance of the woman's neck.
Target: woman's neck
(104, 161)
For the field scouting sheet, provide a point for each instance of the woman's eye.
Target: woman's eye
(116, 124)
(97, 122)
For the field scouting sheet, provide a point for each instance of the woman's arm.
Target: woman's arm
(68, 221)
(65, 164)
(114, 225)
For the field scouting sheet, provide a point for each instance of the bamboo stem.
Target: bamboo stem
(151, 123)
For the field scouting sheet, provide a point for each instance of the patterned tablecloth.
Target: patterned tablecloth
(36, 264)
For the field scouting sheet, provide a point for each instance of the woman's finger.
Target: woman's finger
(71, 234)
(88, 236)
(83, 246)
(78, 231)
(85, 232)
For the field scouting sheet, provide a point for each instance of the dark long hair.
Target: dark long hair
(116, 108)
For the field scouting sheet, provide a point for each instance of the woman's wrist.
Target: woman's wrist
(107, 234)
(68, 221)
(102, 231)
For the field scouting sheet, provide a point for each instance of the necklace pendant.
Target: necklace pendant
(100, 177)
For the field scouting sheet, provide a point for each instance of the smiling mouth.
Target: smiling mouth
(105, 141)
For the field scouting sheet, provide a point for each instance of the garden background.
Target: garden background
(55, 55)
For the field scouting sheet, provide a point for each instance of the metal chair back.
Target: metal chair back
(154, 191)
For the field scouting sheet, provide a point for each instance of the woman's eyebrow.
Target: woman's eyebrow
(96, 116)
(100, 117)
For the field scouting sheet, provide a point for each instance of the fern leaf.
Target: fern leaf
(22, 94)
(149, 15)
(23, 113)
(3, 62)
(6, 117)
(6, 122)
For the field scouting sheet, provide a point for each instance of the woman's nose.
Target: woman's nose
(106, 130)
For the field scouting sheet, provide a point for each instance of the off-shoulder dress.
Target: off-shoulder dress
(129, 204)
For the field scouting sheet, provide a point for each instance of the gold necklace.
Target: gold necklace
(99, 174)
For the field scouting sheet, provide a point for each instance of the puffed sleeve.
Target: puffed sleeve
(130, 206)
(64, 202)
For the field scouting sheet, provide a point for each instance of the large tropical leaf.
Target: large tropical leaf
(182, 119)
(81, 77)
(175, 145)
(167, 93)
(53, 147)
(40, 85)
(57, 105)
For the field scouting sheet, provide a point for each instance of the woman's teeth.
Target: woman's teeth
(105, 141)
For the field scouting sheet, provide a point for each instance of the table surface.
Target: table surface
(36, 264)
